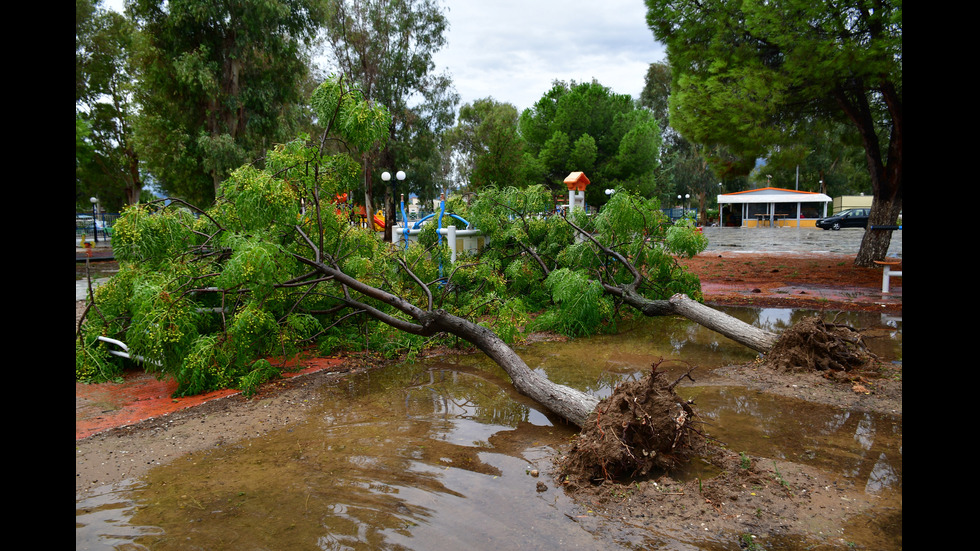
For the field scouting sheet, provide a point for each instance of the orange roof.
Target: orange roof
(772, 195)
(576, 181)
(771, 189)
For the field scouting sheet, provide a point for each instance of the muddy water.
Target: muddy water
(438, 455)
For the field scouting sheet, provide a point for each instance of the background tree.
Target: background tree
(220, 82)
(750, 74)
(585, 127)
(104, 100)
(828, 159)
(385, 49)
(687, 167)
(486, 139)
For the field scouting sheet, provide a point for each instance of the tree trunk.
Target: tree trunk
(886, 173)
(572, 405)
(566, 402)
(368, 194)
(874, 245)
(743, 333)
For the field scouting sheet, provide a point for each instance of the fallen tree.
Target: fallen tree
(273, 268)
(566, 402)
(629, 252)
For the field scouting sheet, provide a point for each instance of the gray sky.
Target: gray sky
(513, 50)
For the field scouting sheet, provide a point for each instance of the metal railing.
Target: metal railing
(95, 228)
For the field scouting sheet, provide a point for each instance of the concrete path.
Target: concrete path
(793, 240)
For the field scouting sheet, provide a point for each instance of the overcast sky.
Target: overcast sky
(513, 50)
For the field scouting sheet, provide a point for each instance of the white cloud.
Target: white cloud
(514, 50)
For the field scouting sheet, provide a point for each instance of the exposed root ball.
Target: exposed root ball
(641, 427)
(815, 345)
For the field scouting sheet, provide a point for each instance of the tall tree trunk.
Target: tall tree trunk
(368, 194)
(886, 173)
(134, 186)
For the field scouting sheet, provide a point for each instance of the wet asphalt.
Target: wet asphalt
(754, 240)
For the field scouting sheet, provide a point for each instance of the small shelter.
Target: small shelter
(771, 206)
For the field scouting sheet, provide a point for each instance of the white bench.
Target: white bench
(888, 273)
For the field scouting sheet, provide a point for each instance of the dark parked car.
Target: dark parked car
(850, 218)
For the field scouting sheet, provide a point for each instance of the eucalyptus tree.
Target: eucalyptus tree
(586, 127)
(385, 48)
(220, 82)
(747, 74)
(487, 140)
(105, 102)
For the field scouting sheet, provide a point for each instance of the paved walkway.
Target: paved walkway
(793, 240)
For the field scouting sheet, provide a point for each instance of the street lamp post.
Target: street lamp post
(386, 176)
(95, 216)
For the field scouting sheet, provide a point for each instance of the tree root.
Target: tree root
(643, 426)
(815, 345)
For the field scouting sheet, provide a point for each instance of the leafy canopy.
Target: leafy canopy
(211, 296)
(586, 127)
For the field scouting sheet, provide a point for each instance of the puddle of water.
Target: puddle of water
(437, 455)
(102, 520)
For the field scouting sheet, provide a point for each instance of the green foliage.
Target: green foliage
(586, 127)
(759, 76)
(106, 164)
(486, 136)
(148, 233)
(362, 123)
(684, 239)
(581, 305)
(201, 296)
(553, 271)
(218, 83)
(209, 296)
(261, 372)
(385, 49)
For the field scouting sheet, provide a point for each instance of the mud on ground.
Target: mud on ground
(770, 503)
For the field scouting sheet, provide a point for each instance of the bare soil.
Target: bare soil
(122, 432)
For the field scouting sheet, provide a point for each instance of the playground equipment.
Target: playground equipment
(452, 233)
(576, 182)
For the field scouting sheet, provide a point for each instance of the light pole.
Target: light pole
(95, 215)
(386, 176)
(721, 207)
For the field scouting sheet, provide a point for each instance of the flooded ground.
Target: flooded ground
(439, 455)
